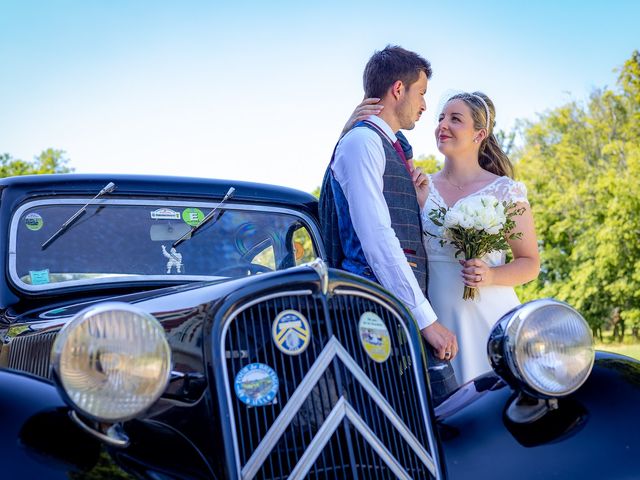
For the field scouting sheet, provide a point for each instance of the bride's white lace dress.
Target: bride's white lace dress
(470, 320)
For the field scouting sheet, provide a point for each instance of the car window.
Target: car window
(303, 246)
(117, 240)
(266, 258)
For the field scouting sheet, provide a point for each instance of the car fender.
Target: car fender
(595, 422)
(39, 439)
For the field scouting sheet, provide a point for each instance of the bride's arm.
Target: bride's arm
(526, 259)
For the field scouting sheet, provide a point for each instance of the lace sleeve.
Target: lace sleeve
(518, 192)
(507, 190)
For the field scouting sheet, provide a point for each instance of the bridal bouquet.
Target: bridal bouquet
(477, 225)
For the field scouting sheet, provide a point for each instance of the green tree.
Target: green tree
(581, 164)
(506, 140)
(49, 161)
(428, 163)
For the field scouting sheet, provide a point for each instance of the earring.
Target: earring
(475, 141)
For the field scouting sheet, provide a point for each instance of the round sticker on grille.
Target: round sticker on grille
(291, 332)
(374, 337)
(256, 385)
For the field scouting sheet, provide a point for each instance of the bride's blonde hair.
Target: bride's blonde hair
(491, 156)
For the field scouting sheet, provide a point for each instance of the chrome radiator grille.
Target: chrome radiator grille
(31, 353)
(337, 412)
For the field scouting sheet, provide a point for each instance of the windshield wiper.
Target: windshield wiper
(108, 188)
(204, 221)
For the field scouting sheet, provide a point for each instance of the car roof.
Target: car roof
(15, 191)
(91, 184)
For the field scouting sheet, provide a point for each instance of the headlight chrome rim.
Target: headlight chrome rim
(513, 328)
(82, 320)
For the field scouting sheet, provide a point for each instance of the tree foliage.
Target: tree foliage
(49, 161)
(581, 163)
(428, 163)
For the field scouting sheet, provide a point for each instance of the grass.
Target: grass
(628, 349)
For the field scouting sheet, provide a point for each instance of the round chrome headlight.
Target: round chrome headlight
(112, 361)
(546, 344)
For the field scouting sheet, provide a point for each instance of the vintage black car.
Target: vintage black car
(156, 327)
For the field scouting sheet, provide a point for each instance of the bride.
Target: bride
(474, 164)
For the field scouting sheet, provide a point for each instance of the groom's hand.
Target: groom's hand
(442, 340)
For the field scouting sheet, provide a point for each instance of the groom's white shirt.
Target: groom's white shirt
(358, 166)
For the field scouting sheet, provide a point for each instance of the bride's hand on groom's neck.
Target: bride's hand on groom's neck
(366, 108)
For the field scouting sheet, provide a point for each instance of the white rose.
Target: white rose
(466, 221)
(481, 221)
(482, 212)
(485, 219)
(452, 218)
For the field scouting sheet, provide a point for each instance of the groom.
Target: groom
(368, 209)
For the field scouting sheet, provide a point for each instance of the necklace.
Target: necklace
(446, 175)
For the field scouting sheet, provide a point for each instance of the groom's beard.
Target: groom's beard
(407, 116)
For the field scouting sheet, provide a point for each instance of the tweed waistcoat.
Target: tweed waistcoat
(341, 242)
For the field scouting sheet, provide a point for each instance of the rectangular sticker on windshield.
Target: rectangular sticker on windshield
(165, 214)
(39, 277)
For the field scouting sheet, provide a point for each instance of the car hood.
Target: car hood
(163, 299)
(65, 309)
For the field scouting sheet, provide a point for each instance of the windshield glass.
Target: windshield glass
(120, 240)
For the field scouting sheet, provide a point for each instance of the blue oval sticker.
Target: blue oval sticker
(256, 385)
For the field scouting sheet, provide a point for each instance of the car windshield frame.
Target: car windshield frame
(15, 221)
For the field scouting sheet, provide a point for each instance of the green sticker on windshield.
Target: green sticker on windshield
(39, 277)
(192, 216)
(33, 221)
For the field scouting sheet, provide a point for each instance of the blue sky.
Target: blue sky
(260, 90)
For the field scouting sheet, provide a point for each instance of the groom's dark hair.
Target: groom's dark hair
(387, 66)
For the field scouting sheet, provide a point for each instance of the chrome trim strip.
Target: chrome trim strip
(341, 410)
(289, 411)
(414, 358)
(13, 234)
(375, 442)
(250, 304)
(114, 279)
(322, 270)
(332, 350)
(115, 436)
(330, 425)
(223, 361)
